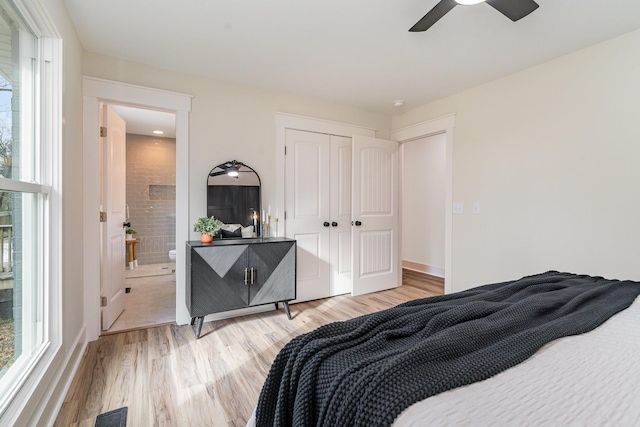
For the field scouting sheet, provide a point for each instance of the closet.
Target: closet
(341, 204)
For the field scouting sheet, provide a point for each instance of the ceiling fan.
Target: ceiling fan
(512, 9)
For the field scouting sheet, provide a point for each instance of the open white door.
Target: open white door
(375, 215)
(113, 200)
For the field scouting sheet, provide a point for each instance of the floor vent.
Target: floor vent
(115, 418)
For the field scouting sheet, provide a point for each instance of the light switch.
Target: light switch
(476, 208)
(458, 208)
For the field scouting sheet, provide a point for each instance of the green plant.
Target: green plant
(131, 231)
(207, 225)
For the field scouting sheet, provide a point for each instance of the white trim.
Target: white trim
(291, 121)
(61, 383)
(36, 18)
(286, 121)
(444, 124)
(147, 97)
(23, 187)
(99, 90)
(424, 129)
(423, 268)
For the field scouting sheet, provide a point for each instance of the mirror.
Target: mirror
(233, 197)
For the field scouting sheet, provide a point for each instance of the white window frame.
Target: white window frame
(19, 401)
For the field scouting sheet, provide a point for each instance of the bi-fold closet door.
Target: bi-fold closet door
(341, 250)
(318, 206)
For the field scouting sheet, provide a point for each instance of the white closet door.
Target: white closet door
(307, 201)
(340, 215)
(375, 215)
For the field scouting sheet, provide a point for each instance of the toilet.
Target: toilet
(172, 254)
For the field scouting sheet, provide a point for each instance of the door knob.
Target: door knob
(358, 223)
(126, 224)
(326, 224)
(334, 224)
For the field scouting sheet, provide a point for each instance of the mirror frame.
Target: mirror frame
(241, 168)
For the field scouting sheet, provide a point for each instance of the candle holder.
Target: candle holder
(277, 227)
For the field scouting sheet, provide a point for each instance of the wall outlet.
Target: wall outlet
(458, 208)
(476, 208)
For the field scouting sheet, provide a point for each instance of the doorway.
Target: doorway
(150, 195)
(96, 91)
(442, 125)
(423, 204)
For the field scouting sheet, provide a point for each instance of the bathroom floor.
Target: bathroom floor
(152, 299)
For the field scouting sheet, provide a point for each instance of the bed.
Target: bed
(554, 348)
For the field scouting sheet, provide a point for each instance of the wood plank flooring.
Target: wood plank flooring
(167, 378)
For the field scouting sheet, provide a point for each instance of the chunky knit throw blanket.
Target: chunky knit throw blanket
(366, 371)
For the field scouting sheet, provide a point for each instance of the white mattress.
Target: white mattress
(591, 379)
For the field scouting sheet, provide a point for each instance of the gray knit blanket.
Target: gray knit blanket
(367, 370)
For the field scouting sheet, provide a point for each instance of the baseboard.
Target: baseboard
(423, 268)
(240, 312)
(63, 380)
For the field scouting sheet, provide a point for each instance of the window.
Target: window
(27, 151)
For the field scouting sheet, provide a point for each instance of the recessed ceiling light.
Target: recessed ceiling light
(398, 103)
(158, 132)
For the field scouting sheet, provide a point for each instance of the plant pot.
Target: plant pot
(206, 238)
(130, 237)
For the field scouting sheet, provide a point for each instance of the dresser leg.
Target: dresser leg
(276, 306)
(199, 326)
(286, 308)
(193, 321)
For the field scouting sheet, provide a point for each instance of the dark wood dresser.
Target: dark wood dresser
(229, 274)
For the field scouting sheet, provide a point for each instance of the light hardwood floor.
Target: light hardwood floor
(167, 378)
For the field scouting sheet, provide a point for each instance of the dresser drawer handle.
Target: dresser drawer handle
(246, 276)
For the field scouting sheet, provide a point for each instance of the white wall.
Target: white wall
(551, 153)
(423, 194)
(229, 121)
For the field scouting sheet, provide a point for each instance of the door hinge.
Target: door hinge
(103, 217)
(103, 301)
(103, 131)
(285, 150)
(285, 215)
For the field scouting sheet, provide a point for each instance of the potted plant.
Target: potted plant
(207, 227)
(131, 233)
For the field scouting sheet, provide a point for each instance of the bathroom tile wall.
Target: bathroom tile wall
(151, 180)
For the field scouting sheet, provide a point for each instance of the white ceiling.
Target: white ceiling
(353, 52)
(144, 122)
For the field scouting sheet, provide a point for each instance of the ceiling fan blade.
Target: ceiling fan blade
(433, 15)
(514, 9)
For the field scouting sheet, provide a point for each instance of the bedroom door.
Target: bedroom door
(113, 204)
(375, 215)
